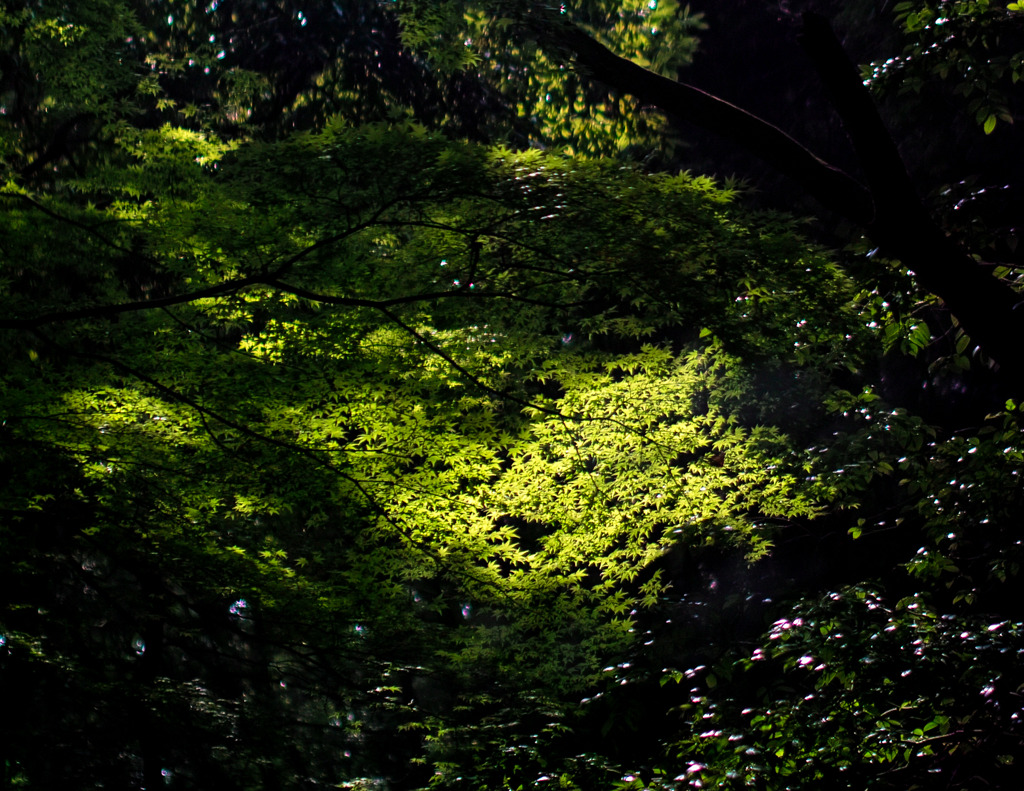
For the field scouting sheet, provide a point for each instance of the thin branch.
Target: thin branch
(270, 279)
(109, 311)
(407, 299)
(90, 230)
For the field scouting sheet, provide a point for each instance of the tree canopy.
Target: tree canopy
(384, 405)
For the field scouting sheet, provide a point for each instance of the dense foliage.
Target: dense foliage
(338, 450)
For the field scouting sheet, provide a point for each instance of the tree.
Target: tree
(481, 469)
(362, 369)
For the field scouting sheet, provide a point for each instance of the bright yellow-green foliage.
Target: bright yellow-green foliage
(340, 453)
(406, 406)
(303, 375)
(400, 405)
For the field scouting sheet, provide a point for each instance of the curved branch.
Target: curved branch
(833, 188)
(110, 311)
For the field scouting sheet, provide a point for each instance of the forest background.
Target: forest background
(447, 394)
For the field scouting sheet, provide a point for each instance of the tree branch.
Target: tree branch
(110, 311)
(833, 188)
